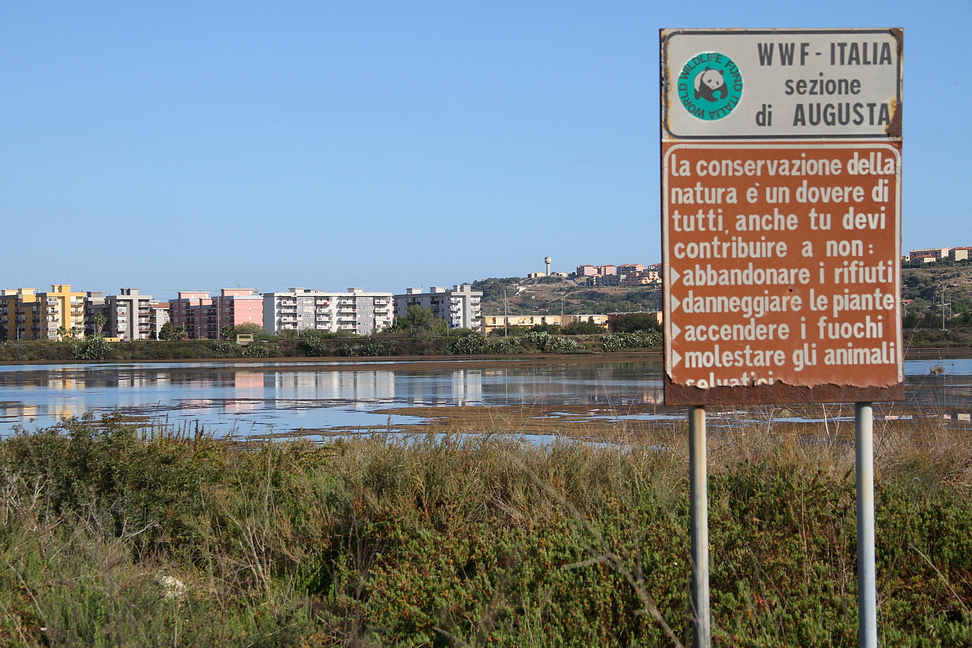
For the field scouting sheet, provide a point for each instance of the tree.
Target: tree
(168, 332)
(634, 323)
(99, 320)
(254, 329)
(165, 331)
(590, 327)
(419, 322)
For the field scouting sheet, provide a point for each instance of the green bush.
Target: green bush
(448, 539)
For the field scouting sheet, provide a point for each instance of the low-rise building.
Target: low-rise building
(300, 309)
(461, 306)
(501, 322)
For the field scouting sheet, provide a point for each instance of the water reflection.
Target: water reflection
(286, 396)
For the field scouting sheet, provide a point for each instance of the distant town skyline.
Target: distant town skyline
(328, 145)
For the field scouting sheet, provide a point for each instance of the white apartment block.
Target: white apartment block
(301, 309)
(129, 315)
(460, 307)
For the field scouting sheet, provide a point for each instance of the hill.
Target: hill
(935, 289)
(556, 295)
(923, 285)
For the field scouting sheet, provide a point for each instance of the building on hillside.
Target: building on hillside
(587, 270)
(959, 253)
(203, 316)
(301, 309)
(20, 315)
(921, 256)
(460, 307)
(62, 312)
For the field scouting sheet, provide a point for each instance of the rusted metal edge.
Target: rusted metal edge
(894, 129)
(779, 393)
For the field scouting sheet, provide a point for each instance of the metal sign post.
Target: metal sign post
(866, 573)
(781, 239)
(698, 493)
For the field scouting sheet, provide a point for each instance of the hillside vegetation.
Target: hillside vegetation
(922, 320)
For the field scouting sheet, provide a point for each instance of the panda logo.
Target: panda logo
(711, 85)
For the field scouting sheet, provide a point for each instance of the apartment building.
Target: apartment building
(158, 315)
(190, 311)
(203, 316)
(20, 314)
(959, 253)
(460, 307)
(929, 255)
(61, 310)
(94, 303)
(300, 309)
(129, 315)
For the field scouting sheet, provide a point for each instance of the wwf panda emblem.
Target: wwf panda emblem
(710, 86)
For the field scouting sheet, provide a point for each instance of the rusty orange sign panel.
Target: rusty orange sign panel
(782, 267)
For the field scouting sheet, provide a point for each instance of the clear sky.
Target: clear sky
(173, 146)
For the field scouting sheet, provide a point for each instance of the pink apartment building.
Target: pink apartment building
(202, 316)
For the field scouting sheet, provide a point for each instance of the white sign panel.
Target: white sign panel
(781, 84)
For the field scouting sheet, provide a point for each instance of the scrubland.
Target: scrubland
(115, 536)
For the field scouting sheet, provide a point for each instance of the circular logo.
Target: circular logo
(710, 86)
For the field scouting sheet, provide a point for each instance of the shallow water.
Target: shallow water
(245, 399)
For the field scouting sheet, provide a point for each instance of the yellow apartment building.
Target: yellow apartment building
(20, 317)
(61, 308)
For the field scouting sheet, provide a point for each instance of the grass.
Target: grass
(464, 537)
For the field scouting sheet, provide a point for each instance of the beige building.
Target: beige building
(501, 322)
(20, 314)
(61, 311)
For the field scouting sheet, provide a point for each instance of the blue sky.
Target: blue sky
(199, 145)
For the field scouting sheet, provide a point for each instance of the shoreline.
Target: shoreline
(929, 353)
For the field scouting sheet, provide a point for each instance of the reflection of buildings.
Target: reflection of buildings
(363, 388)
(334, 385)
(248, 392)
(459, 387)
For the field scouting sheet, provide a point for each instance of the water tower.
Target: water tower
(547, 260)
